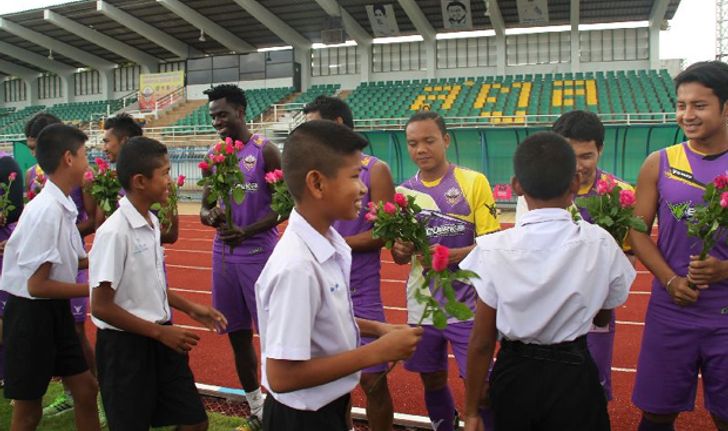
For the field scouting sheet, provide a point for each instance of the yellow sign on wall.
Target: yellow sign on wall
(153, 86)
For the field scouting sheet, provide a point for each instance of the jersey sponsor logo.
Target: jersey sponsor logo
(445, 230)
(684, 176)
(365, 160)
(248, 187)
(249, 162)
(681, 211)
(453, 196)
(256, 250)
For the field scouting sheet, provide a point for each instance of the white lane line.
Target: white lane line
(199, 268)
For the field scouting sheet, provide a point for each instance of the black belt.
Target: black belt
(569, 352)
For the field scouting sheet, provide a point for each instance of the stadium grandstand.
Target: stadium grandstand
(499, 76)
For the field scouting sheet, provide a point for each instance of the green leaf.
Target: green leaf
(238, 195)
(459, 310)
(439, 319)
(637, 224)
(211, 198)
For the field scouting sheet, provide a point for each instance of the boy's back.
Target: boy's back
(549, 303)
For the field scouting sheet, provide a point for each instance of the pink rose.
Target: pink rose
(204, 165)
(228, 141)
(101, 165)
(626, 198)
(229, 149)
(440, 258)
(30, 194)
(88, 176)
(239, 145)
(724, 200)
(390, 209)
(217, 148)
(370, 217)
(721, 181)
(372, 207)
(12, 176)
(602, 187)
(218, 158)
(181, 180)
(270, 178)
(400, 200)
(278, 174)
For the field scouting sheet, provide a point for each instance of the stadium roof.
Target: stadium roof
(232, 26)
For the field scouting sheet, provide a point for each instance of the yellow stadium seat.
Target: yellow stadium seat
(428, 88)
(568, 92)
(568, 102)
(496, 120)
(441, 97)
(491, 99)
(520, 120)
(497, 85)
(485, 114)
(558, 83)
(556, 98)
(507, 120)
(520, 112)
(497, 113)
(579, 92)
(505, 90)
(517, 84)
(438, 88)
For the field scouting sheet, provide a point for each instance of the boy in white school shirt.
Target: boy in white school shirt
(40, 263)
(142, 360)
(530, 294)
(309, 336)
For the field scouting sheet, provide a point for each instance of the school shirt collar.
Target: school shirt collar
(544, 215)
(135, 219)
(322, 247)
(57, 194)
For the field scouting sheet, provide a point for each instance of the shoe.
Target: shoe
(252, 423)
(62, 404)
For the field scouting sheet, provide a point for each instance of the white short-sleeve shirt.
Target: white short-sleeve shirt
(127, 253)
(46, 232)
(549, 276)
(305, 309)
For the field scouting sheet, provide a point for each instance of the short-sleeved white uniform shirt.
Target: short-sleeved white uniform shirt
(305, 309)
(46, 232)
(127, 254)
(549, 276)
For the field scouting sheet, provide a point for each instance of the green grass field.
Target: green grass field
(65, 421)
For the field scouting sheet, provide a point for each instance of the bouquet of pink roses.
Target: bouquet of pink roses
(36, 185)
(710, 222)
(6, 205)
(612, 208)
(103, 186)
(222, 176)
(398, 221)
(282, 201)
(166, 212)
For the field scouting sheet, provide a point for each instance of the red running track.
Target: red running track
(189, 264)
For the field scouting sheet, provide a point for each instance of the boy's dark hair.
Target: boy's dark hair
(712, 74)
(53, 142)
(38, 122)
(580, 126)
(428, 115)
(317, 145)
(545, 165)
(232, 94)
(123, 125)
(330, 108)
(140, 155)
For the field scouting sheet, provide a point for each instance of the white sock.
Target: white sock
(255, 401)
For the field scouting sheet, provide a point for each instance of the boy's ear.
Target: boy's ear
(138, 182)
(315, 183)
(67, 158)
(516, 186)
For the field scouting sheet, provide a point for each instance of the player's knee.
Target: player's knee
(84, 389)
(434, 381)
(660, 418)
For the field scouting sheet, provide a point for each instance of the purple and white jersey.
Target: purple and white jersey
(681, 184)
(365, 266)
(254, 207)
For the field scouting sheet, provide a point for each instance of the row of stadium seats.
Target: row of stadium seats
(74, 112)
(508, 99)
(14, 123)
(317, 90)
(6, 111)
(259, 100)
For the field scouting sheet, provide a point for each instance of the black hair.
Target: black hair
(53, 142)
(317, 145)
(38, 122)
(580, 126)
(712, 74)
(545, 165)
(428, 115)
(456, 3)
(140, 155)
(123, 126)
(232, 94)
(330, 108)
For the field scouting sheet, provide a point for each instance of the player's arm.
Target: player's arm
(104, 308)
(480, 355)
(289, 375)
(40, 285)
(237, 234)
(643, 246)
(382, 189)
(88, 226)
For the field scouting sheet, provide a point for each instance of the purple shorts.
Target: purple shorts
(601, 348)
(233, 291)
(375, 313)
(3, 300)
(431, 353)
(673, 351)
